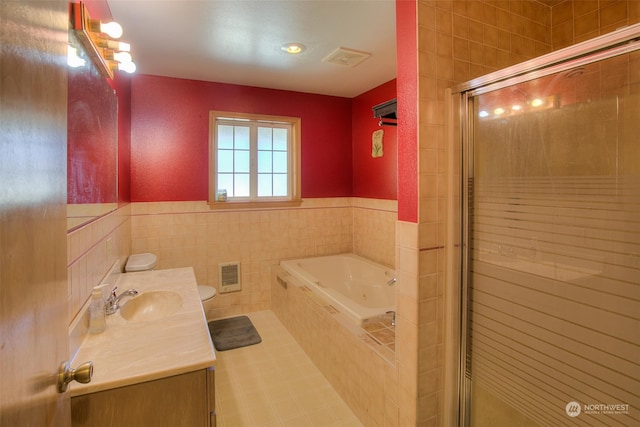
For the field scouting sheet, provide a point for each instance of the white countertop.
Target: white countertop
(130, 352)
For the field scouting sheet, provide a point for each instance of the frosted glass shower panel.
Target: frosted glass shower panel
(554, 267)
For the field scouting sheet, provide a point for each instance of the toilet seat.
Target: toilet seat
(206, 292)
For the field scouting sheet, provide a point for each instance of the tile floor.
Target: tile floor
(274, 383)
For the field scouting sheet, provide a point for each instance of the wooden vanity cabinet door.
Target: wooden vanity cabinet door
(179, 401)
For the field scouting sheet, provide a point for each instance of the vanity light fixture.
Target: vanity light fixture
(293, 48)
(98, 39)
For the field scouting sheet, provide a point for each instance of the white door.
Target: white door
(33, 285)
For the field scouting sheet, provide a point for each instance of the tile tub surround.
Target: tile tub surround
(130, 352)
(381, 331)
(356, 362)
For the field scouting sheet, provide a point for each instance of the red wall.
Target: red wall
(170, 135)
(99, 9)
(122, 85)
(407, 60)
(163, 132)
(373, 177)
(92, 134)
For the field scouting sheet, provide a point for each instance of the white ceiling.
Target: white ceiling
(238, 41)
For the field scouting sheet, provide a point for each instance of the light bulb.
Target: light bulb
(122, 57)
(123, 47)
(128, 67)
(537, 102)
(73, 60)
(112, 29)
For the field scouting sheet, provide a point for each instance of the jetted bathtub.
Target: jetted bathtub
(354, 285)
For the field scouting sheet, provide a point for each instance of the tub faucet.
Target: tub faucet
(113, 302)
(392, 282)
(393, 317)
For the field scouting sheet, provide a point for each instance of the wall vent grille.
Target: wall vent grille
(229, 277)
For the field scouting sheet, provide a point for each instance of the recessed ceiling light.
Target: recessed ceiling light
(293, 48)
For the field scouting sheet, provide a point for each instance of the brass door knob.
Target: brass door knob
(82, 374)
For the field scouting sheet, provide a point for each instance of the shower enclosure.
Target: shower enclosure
(549, 238)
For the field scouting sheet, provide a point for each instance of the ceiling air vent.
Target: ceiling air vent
(347, 57)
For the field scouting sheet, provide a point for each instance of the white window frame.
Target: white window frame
(293, 173)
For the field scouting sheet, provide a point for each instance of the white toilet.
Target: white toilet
(207, 293)
(146, 261)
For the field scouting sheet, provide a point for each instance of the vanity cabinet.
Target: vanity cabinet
(186, 400)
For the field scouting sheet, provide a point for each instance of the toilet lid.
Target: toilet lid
(141, 262)
(206, 292)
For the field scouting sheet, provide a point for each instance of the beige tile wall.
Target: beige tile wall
(185, 234)
(575, 21)
(458, 41)
(374, 229)
(190, 234)
(92, 250)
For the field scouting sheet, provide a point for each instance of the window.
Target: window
(255, 160)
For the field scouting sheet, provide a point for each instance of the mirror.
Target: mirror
(92, 140)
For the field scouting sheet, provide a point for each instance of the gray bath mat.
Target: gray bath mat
(234, 332)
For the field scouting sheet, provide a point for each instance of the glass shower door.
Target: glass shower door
(553, 267)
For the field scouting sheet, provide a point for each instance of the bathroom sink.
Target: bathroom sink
(151, 305)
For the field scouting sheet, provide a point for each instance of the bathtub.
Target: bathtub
(352, 284)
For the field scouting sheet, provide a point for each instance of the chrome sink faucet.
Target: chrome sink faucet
(113, 302)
